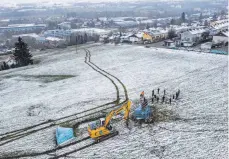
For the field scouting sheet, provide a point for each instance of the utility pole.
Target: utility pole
(76, 42)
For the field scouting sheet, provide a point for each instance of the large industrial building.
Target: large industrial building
(22, 28)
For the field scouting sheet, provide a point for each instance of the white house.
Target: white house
(221, 37)
(134, 38)
(131, 38)
(219, 25)
(124, 38)
(191, 37)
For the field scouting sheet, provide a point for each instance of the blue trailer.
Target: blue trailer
(143, 113)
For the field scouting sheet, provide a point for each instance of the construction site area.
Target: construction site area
(115, 101)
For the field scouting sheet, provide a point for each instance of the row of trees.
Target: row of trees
(183, 19)
(81, 38)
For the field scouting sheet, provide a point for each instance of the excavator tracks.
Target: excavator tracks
(107, 137)
(87, 143)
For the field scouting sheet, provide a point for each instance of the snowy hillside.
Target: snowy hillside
(62, 84)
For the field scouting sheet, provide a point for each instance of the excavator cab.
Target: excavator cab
(102, 122)
(97, 124)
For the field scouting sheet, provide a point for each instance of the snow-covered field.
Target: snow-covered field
(62, 84)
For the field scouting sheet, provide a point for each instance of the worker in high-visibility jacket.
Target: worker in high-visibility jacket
(143, 100)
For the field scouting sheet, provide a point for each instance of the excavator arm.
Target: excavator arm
(125, 107)
(103, 131)
(108, 118)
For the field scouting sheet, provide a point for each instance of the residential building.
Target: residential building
(191, 37)
(155, 34)
(218, 26)
(179, 29)
(221, 37)
(147, 37)
(172, 43)
(125, 39)
(134, 38)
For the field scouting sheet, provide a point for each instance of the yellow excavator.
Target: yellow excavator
(103, 130)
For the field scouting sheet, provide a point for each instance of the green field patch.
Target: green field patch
(41, 78)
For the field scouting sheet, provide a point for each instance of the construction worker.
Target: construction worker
(178, 92)
(145, 103)
(176, 95)
(142, 97)
(158, 90)
(163, 99)
(143, 100)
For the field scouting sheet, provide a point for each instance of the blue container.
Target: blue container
(142, 113)
(63, 134)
